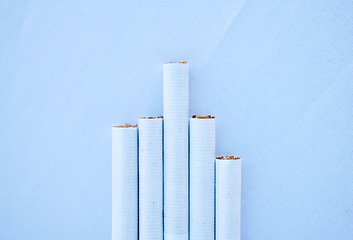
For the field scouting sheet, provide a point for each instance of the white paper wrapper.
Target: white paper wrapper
(150, 179)
(202, 156)
(228, 194)
(176, 117)
(124, 186)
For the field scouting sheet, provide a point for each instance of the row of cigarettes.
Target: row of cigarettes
(167, 182)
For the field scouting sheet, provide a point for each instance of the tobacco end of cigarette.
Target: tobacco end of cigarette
(228, 158)
(126, 126)
(176, 62)
(151, 117)
(203, 116)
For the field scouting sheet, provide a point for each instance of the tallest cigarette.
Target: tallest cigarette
(176, 116)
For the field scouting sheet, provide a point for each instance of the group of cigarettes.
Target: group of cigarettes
(167, 182)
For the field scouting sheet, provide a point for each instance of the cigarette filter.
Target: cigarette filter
(124, 186)
(176, 118)
(150, 179)
(202, 156)
(228, 193)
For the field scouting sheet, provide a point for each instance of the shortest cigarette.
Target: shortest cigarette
(124, 182)
(228, 195)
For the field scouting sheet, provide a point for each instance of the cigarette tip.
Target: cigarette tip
(126, 126)
(177, 62)
(151, 117)
(203, 116)
(228, 158)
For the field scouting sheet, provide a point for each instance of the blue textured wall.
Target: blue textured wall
(278, 76)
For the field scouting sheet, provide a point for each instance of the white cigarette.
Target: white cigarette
(176, 118)
(202, 157)
(124, 185)
(228, 195)
(150, 179)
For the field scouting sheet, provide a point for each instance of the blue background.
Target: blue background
(276, 74)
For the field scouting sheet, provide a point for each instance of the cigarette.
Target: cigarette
(202, 157)
(176, 119)
(124, 185)
(150, 178)
(228, 195)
